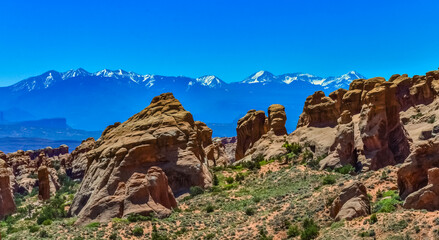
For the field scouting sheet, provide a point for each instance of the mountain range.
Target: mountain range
(91, 101)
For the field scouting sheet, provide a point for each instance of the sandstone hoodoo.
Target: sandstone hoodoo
(375, 138)
(134, 165)
(7, 205)
(255, 127)
(24, 167)
(43, 183)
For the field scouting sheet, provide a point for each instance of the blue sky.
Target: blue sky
(230, 39)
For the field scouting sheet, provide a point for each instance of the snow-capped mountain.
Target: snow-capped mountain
(210, 81)
(264, 77)
(92, 101)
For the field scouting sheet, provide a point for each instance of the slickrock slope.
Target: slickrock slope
(7, 205)
(256, 132)
(133, 163)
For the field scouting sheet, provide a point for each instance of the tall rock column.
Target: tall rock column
(43, 183)
(7, 205)
(277, 119)
(249, 130)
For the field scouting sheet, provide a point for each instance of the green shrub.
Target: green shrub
(256, 199)
(310, 229)
(137, 231)
(293, 231)
(373, 218)
(263, 235)
(113, 236)
(307, 155)
(389, 203)
(249, 211)
(370, 233)
(215, 180)
(196, 190)
(34, 228)
(209, 208)
(47, 222)
(432, 119)
(292, 148)
(43, 234)
(138, 218)
(329, 179)
(93, 225)
(155, 235)
(229, 180)
(239, 177)
(346, 169)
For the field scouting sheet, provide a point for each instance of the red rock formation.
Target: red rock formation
(76, 163)
(43, 183)
(24, 166)
(277, 119)
(7, 205)
(250, 129)
(351, 203)
(343, 149)
(384, 138)
(413, 175)
(428, 196)
(255, 126)
(163, 135)
(376, 138)
(319, 111)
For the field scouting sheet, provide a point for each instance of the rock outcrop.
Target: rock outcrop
(319, 111)
(277, 119)
(24, 167)
(343, 150)
(351, 203)
(43, 183)
(413, 175)
(132, 160)
(249, 130)
(255, 126)
(76, 163)
(374, 138)
(426, 197)
(7, 205)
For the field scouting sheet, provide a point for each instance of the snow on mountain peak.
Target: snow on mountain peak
(260, 77)
(208, 80)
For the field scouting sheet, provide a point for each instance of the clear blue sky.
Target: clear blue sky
(230, 39)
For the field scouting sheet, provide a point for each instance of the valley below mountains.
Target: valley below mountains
(361, 163)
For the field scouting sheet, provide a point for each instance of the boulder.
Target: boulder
(128, 155)
(7, 204)
(413, 174)
(426, 197)
(351, 203)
